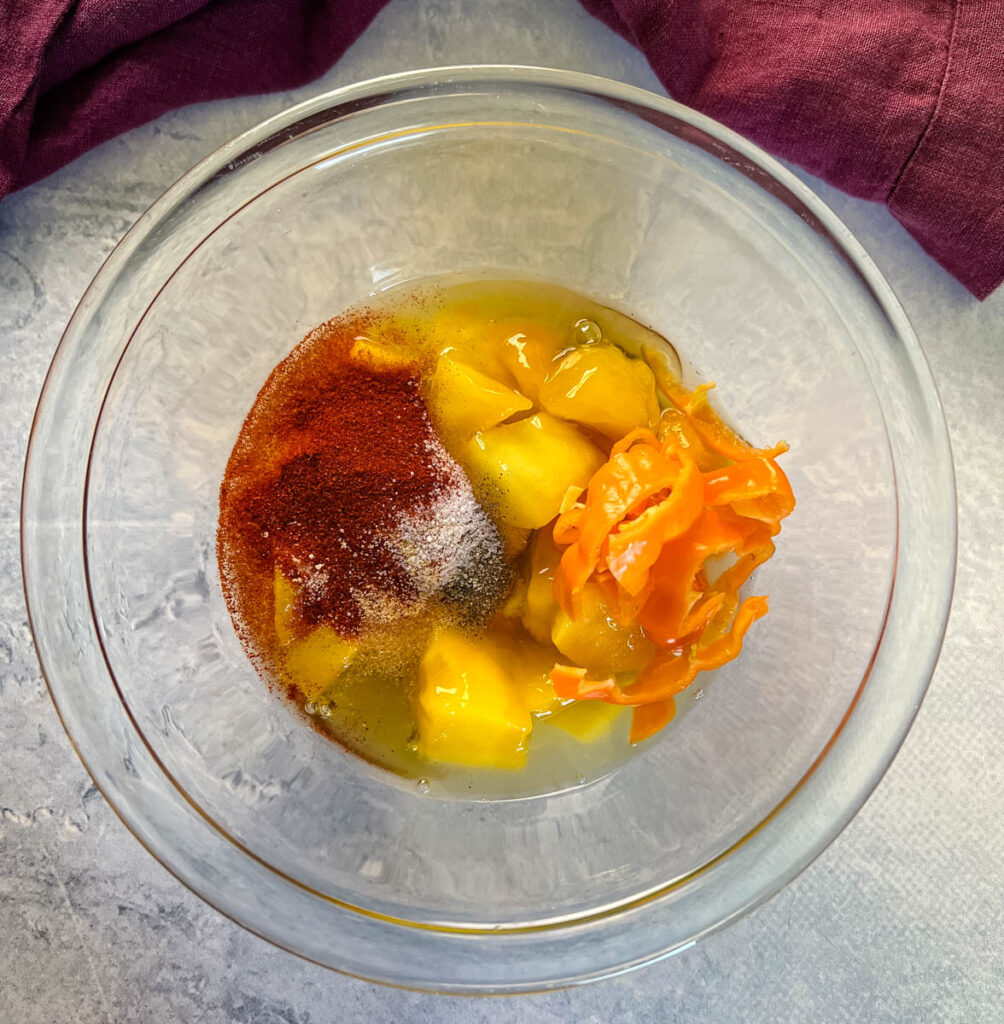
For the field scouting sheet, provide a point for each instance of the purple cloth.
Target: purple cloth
(897, 101)
(74, 73)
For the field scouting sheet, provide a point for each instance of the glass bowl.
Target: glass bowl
(513, 172)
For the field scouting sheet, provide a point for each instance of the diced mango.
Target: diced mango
(526, 351)
(461, 333)
(529, 666)
(524, 468)
(601, 387)
(587, 720)
(379, 355)
(469, 710)
(637, 339)
(315, 661)
(462, 400)
(594, 641)
(285, 615)
(514, 605)
(514, 539)
(538, 690)
(540, 605)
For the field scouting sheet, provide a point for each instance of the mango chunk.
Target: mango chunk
(461, 333)
(601, 387)
(539, 603)
(462, 400)
(587, 720)
(526, 351)
(469, 710)
(515, 603)
(315, 662)
(525, 467)
(537, 688)
(594, 640)
(514, 539)
(529, 666)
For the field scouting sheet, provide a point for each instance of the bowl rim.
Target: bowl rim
(377, 90)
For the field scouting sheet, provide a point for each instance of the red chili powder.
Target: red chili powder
(332, 453)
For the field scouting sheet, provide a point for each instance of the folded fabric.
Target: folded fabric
(897, 101)
(74, 73)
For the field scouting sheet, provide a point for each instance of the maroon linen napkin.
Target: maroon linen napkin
(74, 73)
(897, 101)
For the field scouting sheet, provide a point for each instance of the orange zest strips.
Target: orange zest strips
(670, 528)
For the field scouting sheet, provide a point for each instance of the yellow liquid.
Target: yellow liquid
(372, 706)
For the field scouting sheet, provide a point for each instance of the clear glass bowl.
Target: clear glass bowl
(616, 193)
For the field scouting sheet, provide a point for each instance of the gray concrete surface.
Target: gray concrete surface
(902, 919)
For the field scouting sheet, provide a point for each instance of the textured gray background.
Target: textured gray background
(902, 919)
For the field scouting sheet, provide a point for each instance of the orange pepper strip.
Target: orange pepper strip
(570, 512)
(645, 528)
(770, 509)
(648, 719)
(706, 422)
(671, 672)
(633, 548)
(754, 554)
(570, 683)
(617, 488)
(668, 673)
(719, 437)
(752, 478)
(755, 489)
(676, 429)
(673, 595)
(702, 614)
(622, 606)
(568, 526)
(712, 616)
(639, 434)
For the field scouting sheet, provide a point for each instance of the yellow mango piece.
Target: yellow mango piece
(315, 661)
(469, 710)
(461, 333)
(594, 640)
(636, 339)
(462, 400)
(285, 615)
(378, 355)
(540, 605)
(524, 468)
(538, 690)
(526, 351)
(514, 539)
(587, 720)
(602, 388)
(529, 666)
(515, 602)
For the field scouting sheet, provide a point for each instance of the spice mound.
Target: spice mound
(346, 490)
(340, 487)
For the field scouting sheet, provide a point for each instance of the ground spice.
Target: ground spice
(333, 457)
